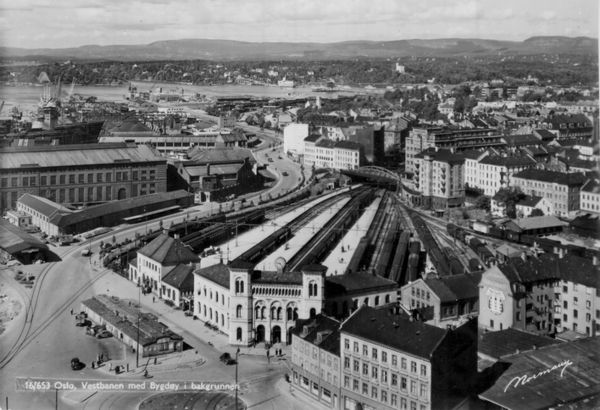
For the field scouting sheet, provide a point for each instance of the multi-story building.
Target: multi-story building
(256, 306)
(389, 361)
(316, 359)
(419, 139)
(154, 262)
(80, 174)
(438, 176)
(494, 172)
(570, 125)
(321, 152)
(561, 189)
(547, 294)
(590, 196)
(293, 139)
(454, 299)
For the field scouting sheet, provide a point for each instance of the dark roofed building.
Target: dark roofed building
(521, 140)
(495, 345)
(81, 174)
(438, 365)
(570, 125)
(168, 251)
(558, 375)
(316, 359)
(179, 286)
(454, 299)
(127, 323)
(19, 245)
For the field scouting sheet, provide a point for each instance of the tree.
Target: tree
(483, 202)
(537, 212)
(510, 197)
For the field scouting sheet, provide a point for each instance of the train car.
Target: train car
(481, 227)
(475, 265)
(485, 254)
(496, 233)
(456, 267)
(524, 239)
(548, 245)
(412, 271)
(475, 243)
(451, 229)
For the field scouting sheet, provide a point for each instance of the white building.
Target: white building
(590, 196)
(492, 172)
(293, 138)
(321, 152)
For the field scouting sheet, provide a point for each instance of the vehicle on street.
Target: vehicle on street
(86, 252)
(103, 334)
(285, 174)
(83, 323)
(227, 359)
(76, 364)
(270, 159)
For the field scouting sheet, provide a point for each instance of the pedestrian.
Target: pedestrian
(153, 298)
(71, 311)
(155, 360)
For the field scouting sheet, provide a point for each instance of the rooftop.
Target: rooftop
(510, 341)
(322, 331)
(220, 155)
(356, 282)
(455, 287)
(42, 205)
(549, 377)
(218, 274)
(530, 201)
(592, 186)
(539, 222)
(508, 161)
(181, 277)
(76, 155)
(14, 240)
(394, 330)
(168, 251)
(561, 178)
(517, 140)
(441, 155)
(125, 317)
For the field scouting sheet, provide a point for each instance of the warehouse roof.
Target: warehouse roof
(356, 282)
(42, 205)
(76, 155)
(14, 240)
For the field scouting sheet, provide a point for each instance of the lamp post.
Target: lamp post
(237, 353)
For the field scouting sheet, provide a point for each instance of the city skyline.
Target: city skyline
(44, 24)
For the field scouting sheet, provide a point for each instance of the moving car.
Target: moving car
(103, 334)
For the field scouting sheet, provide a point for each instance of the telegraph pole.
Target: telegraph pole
(137, 350)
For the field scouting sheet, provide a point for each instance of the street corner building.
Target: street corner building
(131, 326)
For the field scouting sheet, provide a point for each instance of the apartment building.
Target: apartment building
(457, 139)
(590, 196)
(438, 176)
(79, 174)
(560, 189)
(389, 361)
(316, 359)
(321, 152)
(494, 172)
(546, 295)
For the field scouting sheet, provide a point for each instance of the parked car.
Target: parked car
(270, 159)
(227, 359)
(86, 252)
(83, 323)
(76, 364)
(285, 174)
(103, 334)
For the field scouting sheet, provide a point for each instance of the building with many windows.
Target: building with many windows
(589, 200)
(316, 359)
(389, 361)
(545, 294)
(80, 174)
(453, 299)
(562, 190)
(438, 176)
(321, 152)
(493, 172)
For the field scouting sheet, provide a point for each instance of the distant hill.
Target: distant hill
(239, 50)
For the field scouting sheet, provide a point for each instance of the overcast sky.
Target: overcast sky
(66, 23)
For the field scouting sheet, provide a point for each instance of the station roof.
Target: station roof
(510, 341)
(356, 282)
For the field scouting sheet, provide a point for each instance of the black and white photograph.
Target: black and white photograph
(278, 204)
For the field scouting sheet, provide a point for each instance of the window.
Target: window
(346, 344)
(90, 178)
(395, 359)
(384, 377)
(384, 357)
(26, 181)
(394, 379)
(403, 383)
(43, 180)
(423, 370)
(374, 372)
(413, 367)
(413, 387)
(108, 177)
(365, 350)
(575, 313)
(403, 403)
(374, 392)
(355, 385)
(99, 177)
(72, 179)
(346, 362)
(238, 311)
(403, 363)
(374, 352)
(384, 396)
(365, 388)
(423, 390)
(365, 369)
(565, 304)
(356, 365)
(355, 347)
(346, 381)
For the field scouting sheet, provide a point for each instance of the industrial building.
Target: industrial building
(80, 174)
